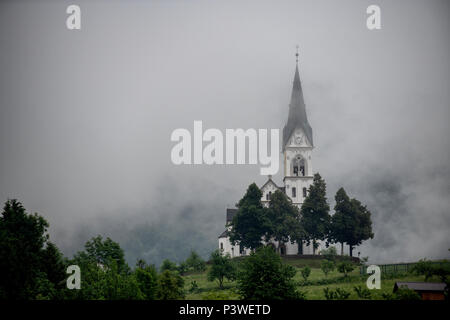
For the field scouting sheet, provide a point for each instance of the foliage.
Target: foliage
(305, 272)
(345, 267)
(284, 219)
(327, 266)
(264, 276)
(170, 286)
(329, 254)
(168, 265)
(105, 252)
(147, 279)
(221, 267)
(315, 217)
(362, 293)
(351, 222)
(194, 287)
(250, 223)
(338, 294)
(195, 262)
(403, 293)
(30, 266)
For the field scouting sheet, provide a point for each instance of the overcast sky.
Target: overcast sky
(86, 116)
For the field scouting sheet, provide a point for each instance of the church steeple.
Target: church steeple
(297, 111)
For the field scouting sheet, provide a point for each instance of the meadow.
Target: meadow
(313, 288)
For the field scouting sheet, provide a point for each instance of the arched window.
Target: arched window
(304, 192)
(294, 192)
(270, 195)
(221, 246)
(298, 168)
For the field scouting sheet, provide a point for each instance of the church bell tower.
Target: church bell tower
(297, 146)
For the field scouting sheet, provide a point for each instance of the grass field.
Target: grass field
(313, 290)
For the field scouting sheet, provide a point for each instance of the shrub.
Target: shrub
(345, 267)
(264, 276)
(327, 266)
(306, 271)
(338, 294)
(363, 293)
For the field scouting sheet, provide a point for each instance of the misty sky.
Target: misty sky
(86, 116)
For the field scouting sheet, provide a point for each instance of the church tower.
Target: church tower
(297, 146)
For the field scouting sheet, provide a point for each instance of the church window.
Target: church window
(304, 192)
(221, 246)
(267, 196)
(270, 195)
(294, 192)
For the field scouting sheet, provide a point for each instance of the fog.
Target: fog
(86, 115)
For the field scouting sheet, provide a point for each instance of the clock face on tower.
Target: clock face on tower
(298, 139)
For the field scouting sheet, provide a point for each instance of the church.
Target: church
(297, 147)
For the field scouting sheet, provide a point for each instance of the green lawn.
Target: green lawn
(314, 291)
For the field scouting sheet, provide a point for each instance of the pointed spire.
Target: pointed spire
(297, 111)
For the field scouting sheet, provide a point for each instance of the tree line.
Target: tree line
(282, 221)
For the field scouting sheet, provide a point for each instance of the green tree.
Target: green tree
(250, 223)
(170, 286)
(329, 254)
(341, 222)
(327, 266)
(305, 272)
(195, 262)
(105, 252)
(264, 276)
(284, 220)
(345, 267)
(221, 267)
(362, 226)
(104, 273)
(23, 254)
(168, 265)
(315, 217)
(147, 279)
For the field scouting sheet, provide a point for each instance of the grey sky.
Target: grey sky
(86, 116)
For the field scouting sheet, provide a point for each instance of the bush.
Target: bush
(403, 293)
(338, 294)
(345, 267)
(306, 271)
(327, 266)
(264, 276)
(194, 287)
(170, 286)
(363, 293)
(195, 262)
(329, 254)
(168, 265)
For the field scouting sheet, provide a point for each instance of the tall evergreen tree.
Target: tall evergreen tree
(284, 219)
(250, 223)
(341, 221)
(23, 238)
(315, 216)
(362, 225)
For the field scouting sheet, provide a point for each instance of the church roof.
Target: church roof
(297, 112)
(224, 234)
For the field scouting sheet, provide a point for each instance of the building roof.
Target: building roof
(421, 286)
(224, 234)
(297, 113)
